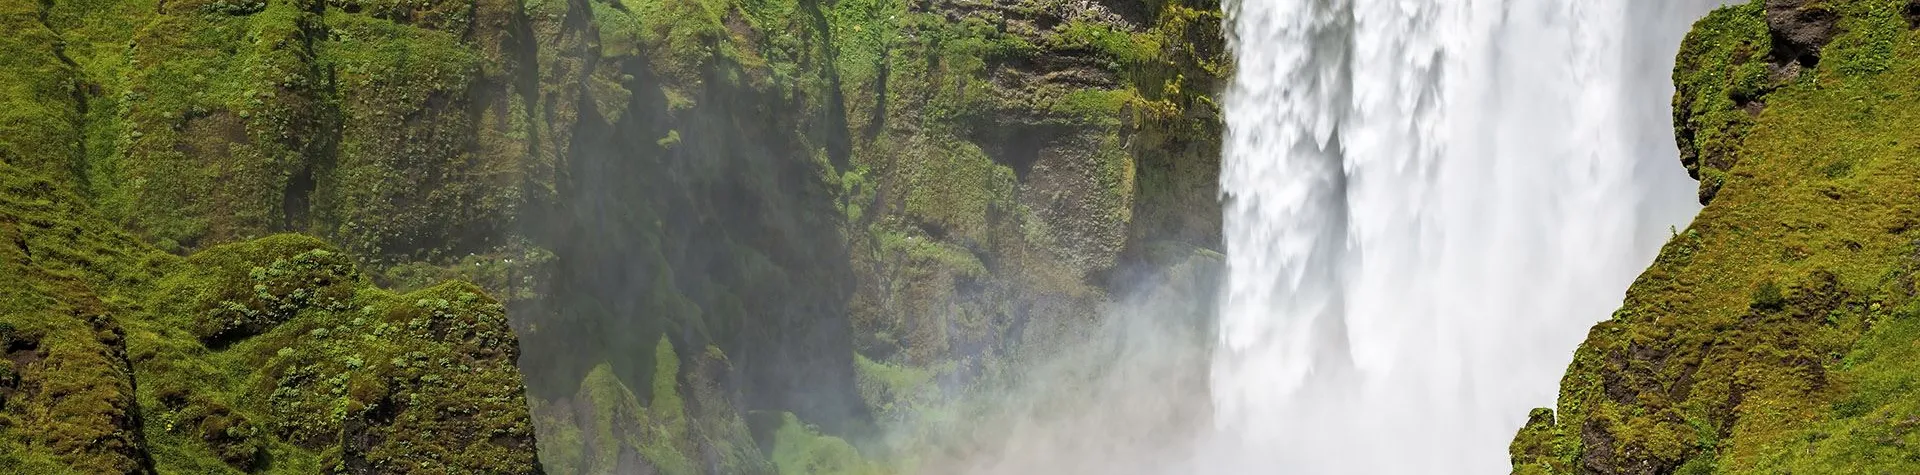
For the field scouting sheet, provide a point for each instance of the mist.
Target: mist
(1425, 206)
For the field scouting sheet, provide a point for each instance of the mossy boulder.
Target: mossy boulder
(340, 375)
(235, 298)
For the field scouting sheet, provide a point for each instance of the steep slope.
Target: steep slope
(268, 355)
(1776, 333)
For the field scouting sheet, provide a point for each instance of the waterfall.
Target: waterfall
(1428, 202)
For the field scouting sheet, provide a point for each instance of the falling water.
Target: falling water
(1428, 202)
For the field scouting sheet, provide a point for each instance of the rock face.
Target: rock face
(1799, 28)
(839, 210)
(1774, 334)
(1007, 177)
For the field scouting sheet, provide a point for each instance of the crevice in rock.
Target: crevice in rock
(296, 201)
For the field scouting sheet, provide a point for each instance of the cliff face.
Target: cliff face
(698, 213)
(1014, 161)
(1776, 333)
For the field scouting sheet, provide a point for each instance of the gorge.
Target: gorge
(959, 236)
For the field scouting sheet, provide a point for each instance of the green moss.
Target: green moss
(952, 184)
(610, 401)
(682, 38)
(216, 123)
(663, 443)
(998, 172)
(1722, 70)
(1760, 339)
(317, 358)
(453, 16)
(1176, 134)
(801, 450)
(864, 35)
(562, 442)
(237, 298)
(1872, 31)
(512, 274)
(415, 136)
(1122, 47)
(409, 371)
(408, 181)
(69, 392)
(686, 417)
(929, 254)
(1766, 297)
(1871, 427)
(39, 112)
(893, 390)
(1094, 106)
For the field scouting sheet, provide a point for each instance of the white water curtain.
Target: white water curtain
(1428, 202)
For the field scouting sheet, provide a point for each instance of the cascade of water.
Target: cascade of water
(1428, 202)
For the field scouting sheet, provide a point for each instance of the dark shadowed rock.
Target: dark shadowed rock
(1800, 28)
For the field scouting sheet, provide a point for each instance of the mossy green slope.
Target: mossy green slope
(38, 112)
(67, 402)
(271, 355)
(1775, 334)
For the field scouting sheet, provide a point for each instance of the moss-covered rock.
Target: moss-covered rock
(236, 298)
(69, 401)
(608, 428)
(1762, 340)
(803, 450)
(1010, 157)
(268, 355)
(216, 123)
(1721, 80)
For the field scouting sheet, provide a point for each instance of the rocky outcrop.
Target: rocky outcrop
(1722, 78)
(1771, 335)
(1010, 175)
(1799, 28)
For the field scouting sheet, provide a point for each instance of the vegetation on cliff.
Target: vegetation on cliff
(952, 181)
(733, 235)
(1011, 158)
(267, 355)
(1775, 334)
